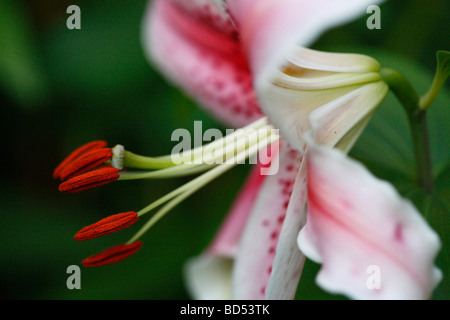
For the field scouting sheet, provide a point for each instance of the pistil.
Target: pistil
(183, 192)
(193, 156)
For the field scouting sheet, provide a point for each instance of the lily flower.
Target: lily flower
(243, 60)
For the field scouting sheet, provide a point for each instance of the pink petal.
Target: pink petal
(288, 263)
(195, 45)
(253, 266)
(269, 28)
(227, 239)
(208, 276)
(358, 224)
(211, 12)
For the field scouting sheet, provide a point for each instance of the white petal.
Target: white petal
(208, 277)
(334, 111)
(308, 81)
(358, 224)
(288, 264)
(335, 119)
(260, 240)
(331, 61)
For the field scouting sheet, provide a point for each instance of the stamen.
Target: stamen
(90, 180)
(157, 216)
(181, 193)
(112, 255)
(86, 162)
(173, 172)
(216, 158)
(107, 226)
(76, 153)
(205, 178)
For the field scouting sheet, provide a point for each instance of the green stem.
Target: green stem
(436, 87)
(417, 118)
(441, 75)
(419, 128)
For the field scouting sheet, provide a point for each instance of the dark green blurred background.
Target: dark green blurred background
(60, 88)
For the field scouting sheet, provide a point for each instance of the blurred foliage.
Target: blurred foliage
(60, 88)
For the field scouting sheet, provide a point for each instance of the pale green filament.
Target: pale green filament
(224, 151)
(189, 188)
(172, 172)
(132, 160)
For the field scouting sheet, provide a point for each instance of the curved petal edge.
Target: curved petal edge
(372, 243)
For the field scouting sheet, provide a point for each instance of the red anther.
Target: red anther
(76, 153)
(107, 225)
(87, 161)
(112, 255)
(90, 180)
